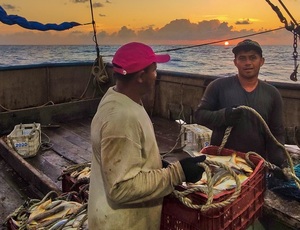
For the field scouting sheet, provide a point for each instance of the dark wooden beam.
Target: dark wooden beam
(26, 171)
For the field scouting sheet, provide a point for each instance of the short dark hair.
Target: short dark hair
(124, 78)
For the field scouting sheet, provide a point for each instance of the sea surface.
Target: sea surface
(208, 60)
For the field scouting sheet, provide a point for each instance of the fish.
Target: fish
(58, 224)
(233, 161)
(221, 178)
(228, 182)
(43, 214)
(84, 173)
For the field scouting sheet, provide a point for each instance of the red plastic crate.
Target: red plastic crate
(84, 192)
(72, 184)
(11, 225)
(68, 183)
(236, 216)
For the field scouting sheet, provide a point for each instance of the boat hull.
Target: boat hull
(37, 93)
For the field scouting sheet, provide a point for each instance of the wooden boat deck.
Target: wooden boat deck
(63, 144)
(68, 143)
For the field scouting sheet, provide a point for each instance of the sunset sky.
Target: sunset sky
(154, 22)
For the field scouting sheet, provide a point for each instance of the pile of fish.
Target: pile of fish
(222, 180)
(81, 174)
(77, 178)
(48, 213)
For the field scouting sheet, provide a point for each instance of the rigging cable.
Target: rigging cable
(296, 32)
(94, 29)
(287, 11)
(291, 28)
(280, 15)
(98, 69)
(219, 41)
(213, 42)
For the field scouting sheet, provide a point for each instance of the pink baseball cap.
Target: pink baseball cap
(134, 56)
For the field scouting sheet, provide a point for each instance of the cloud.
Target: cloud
(9, 7)
(102, 15)
(126, 33)
(178, 31)
(243, 22)
(79, 1)
(97, 5)
(184, 30)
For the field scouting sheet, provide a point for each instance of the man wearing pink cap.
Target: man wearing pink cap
(127, 182)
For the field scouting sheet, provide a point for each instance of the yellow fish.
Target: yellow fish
(221, 178)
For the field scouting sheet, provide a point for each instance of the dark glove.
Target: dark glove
(233, 116)
(165, 163)
(192, 171)
(279, 174)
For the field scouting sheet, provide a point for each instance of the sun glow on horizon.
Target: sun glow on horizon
(226, 43)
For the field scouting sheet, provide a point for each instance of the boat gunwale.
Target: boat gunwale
(277, 84)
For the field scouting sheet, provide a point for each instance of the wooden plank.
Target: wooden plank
(26, 171)
(80, 127)
(56, 159)
(76, 139)
(51, 169)
(10, 196)
(277, 209)
(71, 147)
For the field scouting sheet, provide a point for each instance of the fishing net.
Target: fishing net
(286, 189)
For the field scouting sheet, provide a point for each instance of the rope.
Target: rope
(98, 69)
(181, 113)
(39, 106)
(288, 172)
(182, 196)
(94, 29)
(46, 144)
(225, 138)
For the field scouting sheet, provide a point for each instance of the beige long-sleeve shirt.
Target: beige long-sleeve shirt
(127, 182)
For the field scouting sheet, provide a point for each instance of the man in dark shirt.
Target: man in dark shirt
(217, 109)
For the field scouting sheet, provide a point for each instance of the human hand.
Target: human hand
(192, 171)
(280, 174)
(233, 116)
(165, 163)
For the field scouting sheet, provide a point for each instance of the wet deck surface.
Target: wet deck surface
(69, 143)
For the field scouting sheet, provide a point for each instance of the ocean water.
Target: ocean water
(208, 60)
